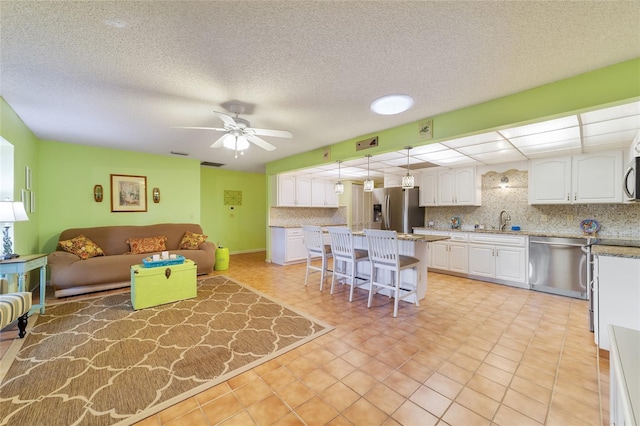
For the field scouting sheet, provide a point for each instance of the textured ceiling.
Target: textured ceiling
(122, 74)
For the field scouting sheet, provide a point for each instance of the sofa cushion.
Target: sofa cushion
(82, 247)
(147, 244)
(191, 241)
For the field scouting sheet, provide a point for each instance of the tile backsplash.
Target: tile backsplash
(298, 216)
(616, 220)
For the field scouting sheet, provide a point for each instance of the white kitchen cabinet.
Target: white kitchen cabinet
(294, 191)
(460, 187)
(323, 193)
(582, 179)
(550, 181)
(624, 383)
(597, 178)
(450, 255)
(499, 258)
(428, 188)
(392, 180)
(287, 245)
(617, 293)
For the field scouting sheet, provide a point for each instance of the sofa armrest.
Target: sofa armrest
(59, 259)
(209, 247)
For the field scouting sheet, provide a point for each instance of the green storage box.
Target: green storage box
(222, 259)
(162, 284)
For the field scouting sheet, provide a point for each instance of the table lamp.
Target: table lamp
(10, 211)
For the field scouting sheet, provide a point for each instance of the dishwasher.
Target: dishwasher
(558, 266)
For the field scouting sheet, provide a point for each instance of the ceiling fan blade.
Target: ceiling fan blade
(274, 133)
(203, 128)
(220, 142)
(228, 120)
(260, 142)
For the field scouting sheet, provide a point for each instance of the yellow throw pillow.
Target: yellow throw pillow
(148, 244)
(191, 241)
(82, 247)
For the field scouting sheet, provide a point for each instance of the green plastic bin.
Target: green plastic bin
(222, 259)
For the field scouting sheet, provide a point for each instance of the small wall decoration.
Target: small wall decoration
(128, 193)
(32, 206)
(98, 194)
(425, 129)
(232, 198)
(326, 154)
(27, 178)
(156, 195)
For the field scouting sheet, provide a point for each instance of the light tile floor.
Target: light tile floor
(473, 353)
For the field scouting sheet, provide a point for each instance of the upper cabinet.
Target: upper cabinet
(458, 187)
(294, 191)
(323, 193)
(428, 188)
(588, 178)
(298, 191)
(450, 187)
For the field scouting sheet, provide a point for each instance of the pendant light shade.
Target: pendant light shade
(408, 180)
(368, 183)
(338, 188)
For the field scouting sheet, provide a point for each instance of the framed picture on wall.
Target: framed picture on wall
(128, 193)
(27, 177)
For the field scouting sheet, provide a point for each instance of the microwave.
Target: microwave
(631, 180)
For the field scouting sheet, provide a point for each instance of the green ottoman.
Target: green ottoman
(162, 284)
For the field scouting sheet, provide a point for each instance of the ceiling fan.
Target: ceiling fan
(238, 132)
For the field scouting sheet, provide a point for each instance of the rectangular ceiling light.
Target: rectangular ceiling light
(546, 137)
(605, 114)
(612, 126)
(485, 147)
(473, 140)
(542, 127)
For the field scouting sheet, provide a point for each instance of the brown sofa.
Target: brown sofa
(70, 275)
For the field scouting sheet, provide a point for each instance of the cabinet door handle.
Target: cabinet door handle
(575, 196)
(567, 196)
(497, 252)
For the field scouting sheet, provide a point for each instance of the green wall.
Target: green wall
(243, 228)
(26, 145)
(68, 172)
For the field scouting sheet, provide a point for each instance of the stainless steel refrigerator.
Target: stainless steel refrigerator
(397, 209)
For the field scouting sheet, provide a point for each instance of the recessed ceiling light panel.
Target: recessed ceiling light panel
(391, 104)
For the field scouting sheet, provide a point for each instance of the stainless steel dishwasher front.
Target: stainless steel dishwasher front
(558, 266)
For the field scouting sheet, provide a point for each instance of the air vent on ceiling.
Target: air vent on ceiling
(179, 153)
(210, 164)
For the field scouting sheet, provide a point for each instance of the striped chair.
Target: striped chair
(15, 306)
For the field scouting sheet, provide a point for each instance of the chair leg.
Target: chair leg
(396, 292)
(22, 325)
(371, 286)
(306, 275)
(353, 281)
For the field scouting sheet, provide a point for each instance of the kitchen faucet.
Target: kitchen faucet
(504, 219)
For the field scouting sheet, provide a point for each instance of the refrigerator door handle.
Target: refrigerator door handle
(387, 209)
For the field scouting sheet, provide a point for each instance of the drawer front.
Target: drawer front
(505, 240)
(459, 236)
(294, 232)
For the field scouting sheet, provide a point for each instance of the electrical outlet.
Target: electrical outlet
(543, 218)
(569, 219)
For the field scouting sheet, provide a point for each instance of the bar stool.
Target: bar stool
(316, 248)
(384, 255)
(343, 251)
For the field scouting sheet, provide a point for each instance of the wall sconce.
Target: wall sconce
(504, 182)
(156, 195)
(97, 193)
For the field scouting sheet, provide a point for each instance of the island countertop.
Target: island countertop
(414, 237)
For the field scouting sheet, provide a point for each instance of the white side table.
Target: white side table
(23, 264)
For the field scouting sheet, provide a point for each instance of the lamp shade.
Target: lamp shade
(12, 211)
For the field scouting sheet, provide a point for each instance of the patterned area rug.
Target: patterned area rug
(99, 362)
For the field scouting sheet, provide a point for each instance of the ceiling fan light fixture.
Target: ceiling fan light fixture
(368, 183)
(408, 182)
(242, 143)
(391, 104)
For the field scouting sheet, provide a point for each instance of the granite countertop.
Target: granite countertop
(616, 251)
(508, 232)
(323, 225)
(412, 237)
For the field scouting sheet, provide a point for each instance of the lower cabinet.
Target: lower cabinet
(287, 246)
(503, 263)
(450, 256)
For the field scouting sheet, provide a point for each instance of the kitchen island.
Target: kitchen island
(414, 245)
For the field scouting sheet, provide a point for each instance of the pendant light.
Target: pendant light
(368, 183)
(338, 188)
(407, 180)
